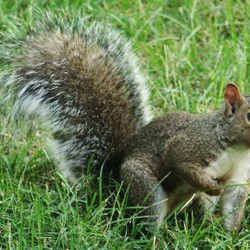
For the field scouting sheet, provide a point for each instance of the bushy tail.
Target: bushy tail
(85, 84)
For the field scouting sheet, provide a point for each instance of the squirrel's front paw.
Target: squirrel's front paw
(215, 189)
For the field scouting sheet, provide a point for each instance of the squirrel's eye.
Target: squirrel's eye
(248, 116)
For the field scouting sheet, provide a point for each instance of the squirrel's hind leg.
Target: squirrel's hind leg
(233, 204)
(145, 189)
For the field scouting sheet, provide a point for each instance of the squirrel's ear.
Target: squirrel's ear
(233, 99)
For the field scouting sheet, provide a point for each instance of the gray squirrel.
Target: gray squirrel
(85, 84)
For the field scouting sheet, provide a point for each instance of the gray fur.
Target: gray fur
(182, 154)
(85, 84)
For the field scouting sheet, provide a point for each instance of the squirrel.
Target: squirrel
(86, 85)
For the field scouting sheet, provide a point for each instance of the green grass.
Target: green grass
(188, 50)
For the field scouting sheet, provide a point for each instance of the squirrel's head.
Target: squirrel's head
(237, 111)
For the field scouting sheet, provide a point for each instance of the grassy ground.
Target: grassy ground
(189, 50)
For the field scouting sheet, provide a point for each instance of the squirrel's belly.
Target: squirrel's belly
(231, 166)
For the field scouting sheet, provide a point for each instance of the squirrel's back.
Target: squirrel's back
(86, 86)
